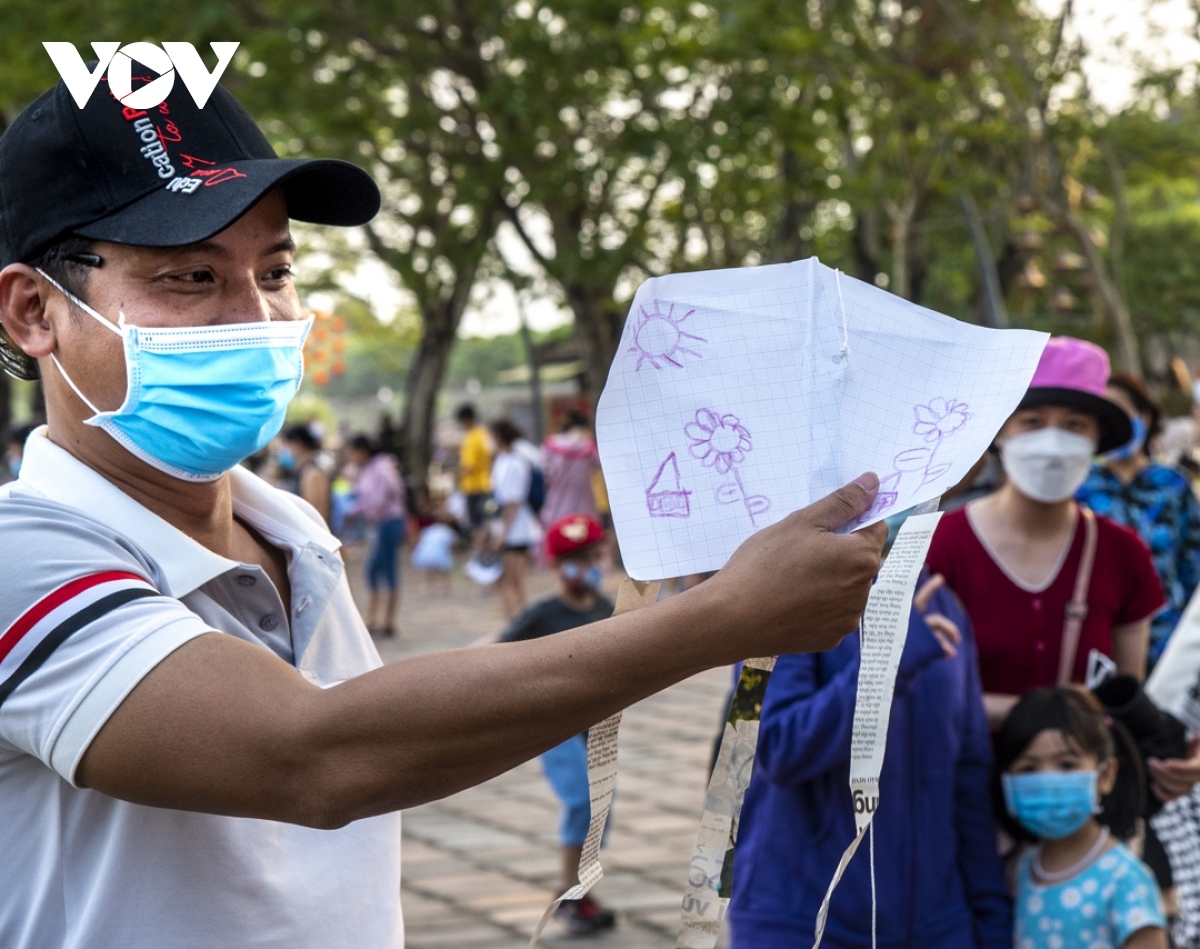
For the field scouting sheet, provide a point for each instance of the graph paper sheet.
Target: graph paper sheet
(739, 396)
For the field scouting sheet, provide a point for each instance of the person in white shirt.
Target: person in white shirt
(516, 529)
(199, 745)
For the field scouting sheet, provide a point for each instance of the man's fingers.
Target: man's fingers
(928, 589)
(845, 504)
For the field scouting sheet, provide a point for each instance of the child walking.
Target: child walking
(575, 545)
(1072, 785)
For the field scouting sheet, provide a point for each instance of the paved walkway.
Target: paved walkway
(481, 866)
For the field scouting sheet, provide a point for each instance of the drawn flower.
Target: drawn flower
(939, 418)
(718, 441)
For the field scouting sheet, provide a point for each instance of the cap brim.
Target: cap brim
(1116, 429)
(318, 190)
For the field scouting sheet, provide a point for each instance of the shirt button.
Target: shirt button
(268, 623)
(1037, 604)
(246, 580)
(1041, 647)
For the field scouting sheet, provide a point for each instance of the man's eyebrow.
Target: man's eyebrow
(285, 243)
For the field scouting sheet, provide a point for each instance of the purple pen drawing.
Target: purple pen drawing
(721, 442)
(659, 336)
(666, 497)
(914, 468)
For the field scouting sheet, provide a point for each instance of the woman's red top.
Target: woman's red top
(1018, 629)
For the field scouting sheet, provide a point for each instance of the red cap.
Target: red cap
(572, 533)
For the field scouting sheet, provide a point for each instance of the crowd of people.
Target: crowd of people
(506, 493)
(1004, 776)
(1020, 805)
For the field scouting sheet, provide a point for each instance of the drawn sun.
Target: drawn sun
(660, 338)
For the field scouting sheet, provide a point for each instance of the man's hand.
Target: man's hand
(944, 629)
(798, 586)
(1175, 777)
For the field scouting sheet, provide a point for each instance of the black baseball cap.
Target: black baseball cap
(163, 177)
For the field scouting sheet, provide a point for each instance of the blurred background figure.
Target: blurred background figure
(575, 545)
(474, 468)
(303, 472)
(14, 450)
(388, 437)
(570, 461)
(515, 528)
(379, 499)
(1154, 500)
(433, 553)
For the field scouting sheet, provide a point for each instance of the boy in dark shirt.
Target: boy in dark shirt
(575, 546)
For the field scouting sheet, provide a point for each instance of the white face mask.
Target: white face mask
(1048, 465)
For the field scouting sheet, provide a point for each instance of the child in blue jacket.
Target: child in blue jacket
(939, 881)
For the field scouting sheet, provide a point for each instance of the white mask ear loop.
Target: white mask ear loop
(90, 312)
(83, 306)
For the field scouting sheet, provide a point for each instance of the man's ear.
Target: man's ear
(23, 310)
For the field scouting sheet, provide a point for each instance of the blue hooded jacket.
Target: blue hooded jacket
(939, 882)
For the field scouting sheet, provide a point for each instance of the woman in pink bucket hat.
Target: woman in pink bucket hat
(1045, 582)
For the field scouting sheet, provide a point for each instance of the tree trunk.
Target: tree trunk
(440, 319)
(867, 246)
(901, 219)
(535, 375)
(788, 244)
(420, 401)
(989, 275)
(1128, 354)
(598, 329)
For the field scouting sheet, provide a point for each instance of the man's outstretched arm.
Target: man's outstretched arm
(224, 727)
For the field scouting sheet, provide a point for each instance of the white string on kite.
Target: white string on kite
(837, 278)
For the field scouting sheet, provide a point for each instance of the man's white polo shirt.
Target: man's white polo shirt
(96, 591)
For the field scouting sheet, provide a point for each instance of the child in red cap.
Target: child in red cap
(574, 545)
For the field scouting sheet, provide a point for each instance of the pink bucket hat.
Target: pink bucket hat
(1074, 373)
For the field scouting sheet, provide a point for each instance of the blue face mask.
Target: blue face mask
(590, 577)
(1051, 804)
(286, 460)
(200, 399)
(1134, 445)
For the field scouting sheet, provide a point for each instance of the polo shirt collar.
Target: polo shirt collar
(186, 565)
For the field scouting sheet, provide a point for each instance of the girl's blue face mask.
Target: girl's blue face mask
(1051, 804)
(200, 399)
(1134, 445)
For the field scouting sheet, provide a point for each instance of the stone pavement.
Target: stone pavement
(481, 866)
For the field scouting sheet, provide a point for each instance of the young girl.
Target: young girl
(1072, 782)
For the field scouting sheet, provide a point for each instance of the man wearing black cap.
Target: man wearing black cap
(198, 744)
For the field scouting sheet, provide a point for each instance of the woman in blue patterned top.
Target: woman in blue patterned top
(1154, 500)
